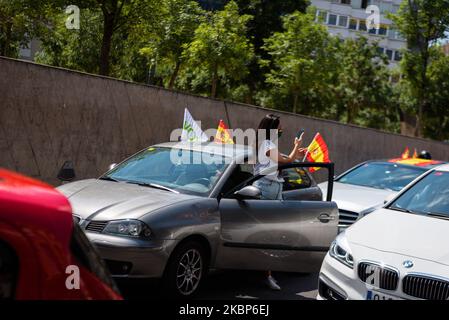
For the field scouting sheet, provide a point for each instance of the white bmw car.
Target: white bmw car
(398, 252)
(365, 187)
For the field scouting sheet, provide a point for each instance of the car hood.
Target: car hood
(403, 233)
(356, 198)
(107, 200)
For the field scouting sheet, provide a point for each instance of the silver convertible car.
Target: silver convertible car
(156, 215)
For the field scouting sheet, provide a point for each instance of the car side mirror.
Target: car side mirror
(389, 198)
(67, 172)
(248, 192)
(112, 166)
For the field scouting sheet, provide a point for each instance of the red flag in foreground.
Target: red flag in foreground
(317, 151)
(223, 135)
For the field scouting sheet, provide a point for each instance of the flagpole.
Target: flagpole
(305, 156)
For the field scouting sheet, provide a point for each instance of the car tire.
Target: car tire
(185, 271)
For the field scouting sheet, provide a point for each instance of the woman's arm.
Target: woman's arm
(296, 152)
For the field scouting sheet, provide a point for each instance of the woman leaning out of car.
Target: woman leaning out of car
(268, 157)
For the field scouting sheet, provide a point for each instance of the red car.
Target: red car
(43, 253)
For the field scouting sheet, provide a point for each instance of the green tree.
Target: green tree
(164, 42)
(106, 43)
(13, 27)
(220, 49)
(437, 117)
(72, 49)
(302, 60)
(20, 21)
(362, 79)
(421, 22)
(118, 15)
(118, 18)
(267, 19)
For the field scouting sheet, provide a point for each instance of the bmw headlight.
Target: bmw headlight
(133, 228)
(340, 251)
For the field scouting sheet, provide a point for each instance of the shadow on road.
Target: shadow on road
(235, 285)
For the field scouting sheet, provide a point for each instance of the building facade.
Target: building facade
(347, 18)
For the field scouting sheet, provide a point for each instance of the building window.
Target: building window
(380, 50)
(389, 54)
(399, 36)
(372, 30)
(362, 25)
(392, 33)
(343, 21)
(365, 4)
(353, 24)
(322, 16)
(382, 30)
(397, 56)
(332, 20)
(346, 1)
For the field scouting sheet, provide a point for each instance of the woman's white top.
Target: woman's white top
(264, 162)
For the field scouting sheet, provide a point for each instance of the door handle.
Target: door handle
(325, 218)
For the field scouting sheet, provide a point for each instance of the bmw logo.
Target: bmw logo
(407, 264)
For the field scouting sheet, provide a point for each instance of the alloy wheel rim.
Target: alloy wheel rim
(188, 274)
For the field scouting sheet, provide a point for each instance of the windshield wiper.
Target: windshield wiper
(402, 210)
(407, 210)
(438, 215)
(153, 185)
(108, 178)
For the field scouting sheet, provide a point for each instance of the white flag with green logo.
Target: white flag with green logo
(191, 131)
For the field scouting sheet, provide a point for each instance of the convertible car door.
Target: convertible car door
(278, 235)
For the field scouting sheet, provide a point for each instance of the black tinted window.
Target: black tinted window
(9, 268)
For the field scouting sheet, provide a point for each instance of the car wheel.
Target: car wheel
(186, 270)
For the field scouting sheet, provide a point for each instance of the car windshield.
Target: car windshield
(176, 170)
(382, 175)
(429, 196)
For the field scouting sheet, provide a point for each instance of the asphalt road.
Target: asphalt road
(238, 285)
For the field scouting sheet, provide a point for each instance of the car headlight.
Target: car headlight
(340, 251)
(133, 228)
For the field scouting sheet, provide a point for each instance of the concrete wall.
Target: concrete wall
(50, 115)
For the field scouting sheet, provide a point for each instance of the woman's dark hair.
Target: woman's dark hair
(269, 122)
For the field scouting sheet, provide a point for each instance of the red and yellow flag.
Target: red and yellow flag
(317, 151)
(415, 154)
(416, 162)
(223, 135)
(406, 154)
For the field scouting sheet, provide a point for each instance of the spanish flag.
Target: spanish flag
(406, 154)
(415, 154)
(317, 151)
(223, 135)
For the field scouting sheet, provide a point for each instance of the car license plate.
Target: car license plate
(376, 295)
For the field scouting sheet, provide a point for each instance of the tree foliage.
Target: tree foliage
(362, 78)
(165, 40)
(422, 23)
(302, 59)
(220, 49)
(273, 53)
